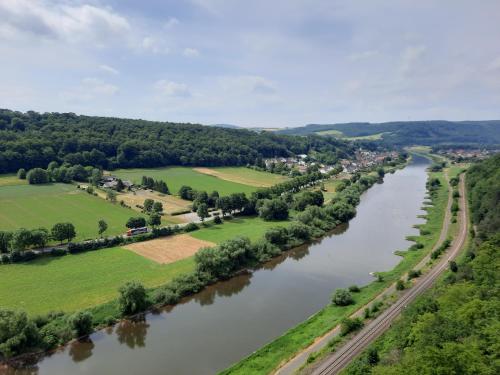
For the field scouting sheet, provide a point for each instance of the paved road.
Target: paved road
(341, 358)
(298, 360)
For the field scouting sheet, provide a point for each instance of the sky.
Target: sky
(256, 63)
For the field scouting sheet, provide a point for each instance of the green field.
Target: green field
(175, 177)
(34, 206)
(251, 227)
(11, 179)
(74, 282)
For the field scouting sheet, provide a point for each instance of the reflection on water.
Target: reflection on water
(81, 350)
(229, 320)
(132, 332)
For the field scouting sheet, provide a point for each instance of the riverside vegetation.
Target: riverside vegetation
(33, 333)
(452, 328)
(266, 359)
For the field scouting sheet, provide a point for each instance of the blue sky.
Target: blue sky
(253, 63)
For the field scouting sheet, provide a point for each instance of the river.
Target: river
(227, 321)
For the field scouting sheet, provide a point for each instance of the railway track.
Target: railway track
(341, 358)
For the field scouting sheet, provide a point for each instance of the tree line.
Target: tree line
(32, 140)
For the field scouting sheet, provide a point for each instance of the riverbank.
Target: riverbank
(270, 357)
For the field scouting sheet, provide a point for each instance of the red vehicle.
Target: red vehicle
(134, 231)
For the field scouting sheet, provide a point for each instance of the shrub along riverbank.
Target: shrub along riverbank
(27, 334)
(270, 356)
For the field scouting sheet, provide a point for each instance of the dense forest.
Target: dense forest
(453, 328)
(32, 139)
(404, 133)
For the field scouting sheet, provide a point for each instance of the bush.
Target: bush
(414, 274)
(273, 209)
(342, 297)
(165, 297)
(349, 325)
(299, 231)
(4, 259)
(400, 285)
(37, 176)
(17, 332)
(191, 227)
(81, 323)
(217, 219)
(132, 298)
(263, 250)
(354, 289)
(21, 174)
(277, 236)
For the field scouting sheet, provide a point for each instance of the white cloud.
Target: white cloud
(494, 65)
(248, 84)
(153, 45)
(171, 23)
(70, 23)
(96, 86)
(109, 69)
(191, 52)
(410, 57)
(365, 55)
(172, 89)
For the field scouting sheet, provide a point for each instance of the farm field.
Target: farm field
(80, 281)
(34, 206)
(11, 179)
(251, 227)
(175, 177)
(244, 175)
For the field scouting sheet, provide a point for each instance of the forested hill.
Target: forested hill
(403, 133)
(32, 139)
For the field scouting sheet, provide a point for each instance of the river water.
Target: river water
(228, 321)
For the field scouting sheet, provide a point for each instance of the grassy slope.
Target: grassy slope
(79, 281)
(252, 227)
(267, 358)
(249, 176)
(33, 206)
(175, 177)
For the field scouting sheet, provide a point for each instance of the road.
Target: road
(342, 357)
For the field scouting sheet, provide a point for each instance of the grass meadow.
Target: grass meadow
(34, 206)
(74, 282)
(175, 177)
(251, 227)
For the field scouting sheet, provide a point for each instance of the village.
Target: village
(302, 163)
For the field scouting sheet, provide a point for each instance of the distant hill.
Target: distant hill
(403, 133)
(31, 139)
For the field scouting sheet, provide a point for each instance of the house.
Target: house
(110, 182)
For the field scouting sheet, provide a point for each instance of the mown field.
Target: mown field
(244, 176)
(80, 281)
(11, 179)
(34, 206)
(175, 177)
(251, 227)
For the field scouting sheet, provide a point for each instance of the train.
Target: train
(134, 231)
